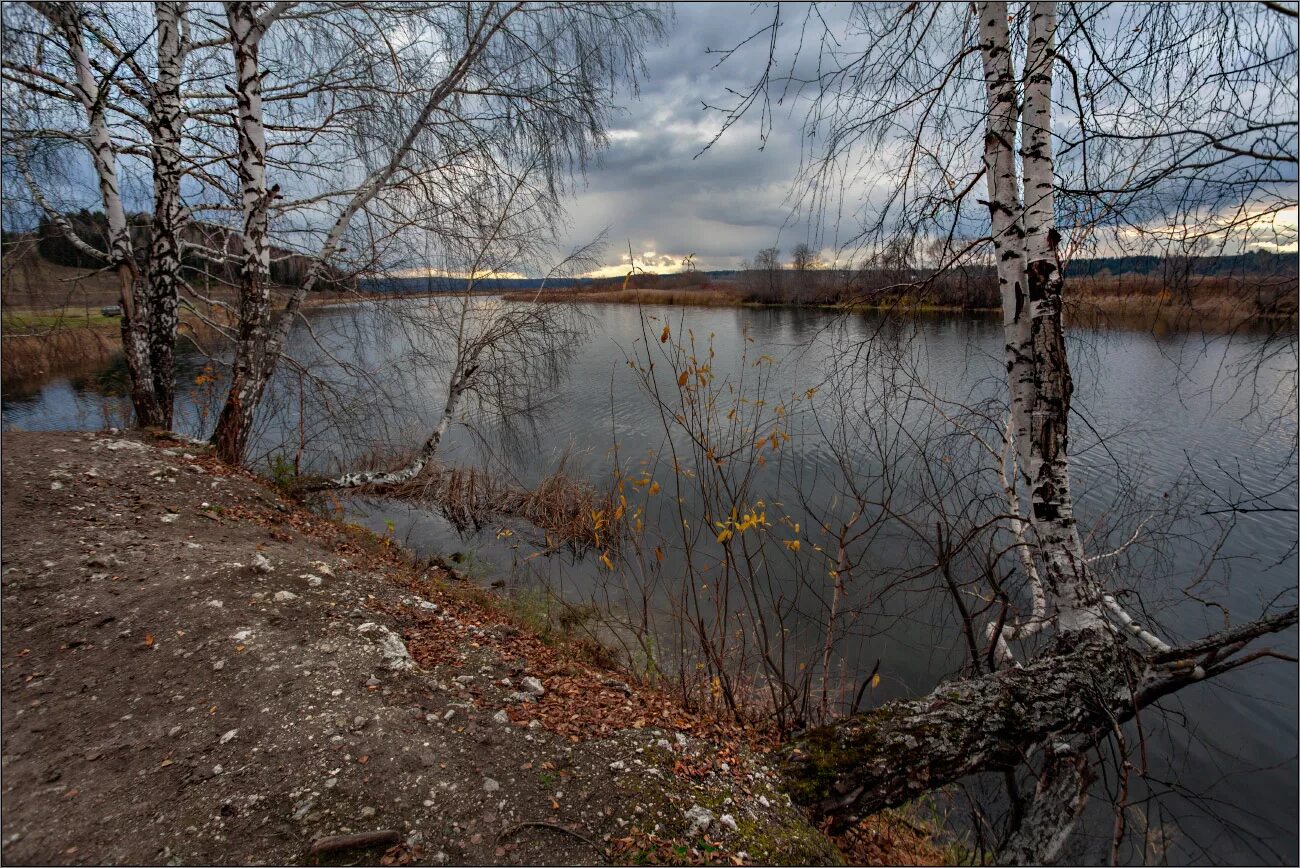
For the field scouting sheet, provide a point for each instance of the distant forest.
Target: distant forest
(966, 286)
(209, 249)
(211, 253)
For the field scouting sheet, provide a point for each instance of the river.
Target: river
(1166, 429)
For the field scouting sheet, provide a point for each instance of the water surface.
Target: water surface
(1191, 421)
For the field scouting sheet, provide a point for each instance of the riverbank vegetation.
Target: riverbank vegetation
(1215, 293)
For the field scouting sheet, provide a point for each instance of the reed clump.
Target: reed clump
(569, 512)
(28, 360)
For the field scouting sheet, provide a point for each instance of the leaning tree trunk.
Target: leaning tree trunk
(1050, 712)
(135, 301)
(164, 271)
(851, 769)
(461, 382)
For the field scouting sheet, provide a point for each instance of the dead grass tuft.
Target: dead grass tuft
(569, 512)
(28, 360)
(893, 838)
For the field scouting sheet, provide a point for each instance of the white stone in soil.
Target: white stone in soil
(699, 819)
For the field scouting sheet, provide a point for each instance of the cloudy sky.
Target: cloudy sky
(651, 188)
(654, 189)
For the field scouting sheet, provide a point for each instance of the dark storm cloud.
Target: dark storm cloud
(653, 185)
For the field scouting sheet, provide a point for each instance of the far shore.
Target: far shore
(42, 343)
(1217, 313)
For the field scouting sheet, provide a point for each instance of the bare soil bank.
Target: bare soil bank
(196, 671)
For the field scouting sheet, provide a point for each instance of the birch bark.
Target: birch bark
(136, 304)
(166, 120)
(428, 449)
(1047, 472)
(248, 372)
(1005, 209)
(263, 342)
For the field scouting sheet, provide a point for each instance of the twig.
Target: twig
(334, 843)
(556, 826)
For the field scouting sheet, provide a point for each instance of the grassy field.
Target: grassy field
(27, 322)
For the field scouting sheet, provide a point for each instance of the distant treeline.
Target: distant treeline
(1263, 281)
(220, 266)
(410, 285)
(1261, 263)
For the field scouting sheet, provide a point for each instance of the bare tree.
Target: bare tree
(802, 258)
(513, 75)
(348, 117)
(88, 86)
(505, 357)
(904, 83)
(128, 69)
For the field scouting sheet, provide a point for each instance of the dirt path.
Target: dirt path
(196, 672)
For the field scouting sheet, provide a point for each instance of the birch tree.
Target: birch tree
(901, 86)
(81, 83)
(507, 76)
(112, 80)
(503, 357)
(347, 115)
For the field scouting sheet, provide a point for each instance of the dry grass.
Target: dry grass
(688, 296)
(41, 346)
(30, 359)
(31, 281)
(1126, 301)
(569, 512)
(1162, 314)
(895, 837)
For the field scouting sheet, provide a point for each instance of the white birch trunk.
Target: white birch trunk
(166, 121)
(1047, 473)
(136, 307)
(1005, 213)
(248, 374)
(265, 341)
(459, 385)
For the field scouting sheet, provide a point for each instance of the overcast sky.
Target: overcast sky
(649, 187)
(653, 188)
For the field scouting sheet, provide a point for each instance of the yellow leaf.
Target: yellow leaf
(875, 681)
(654, 488)
(663, 338)
(681, 380)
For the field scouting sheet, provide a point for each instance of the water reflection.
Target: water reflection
(1149, 410)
